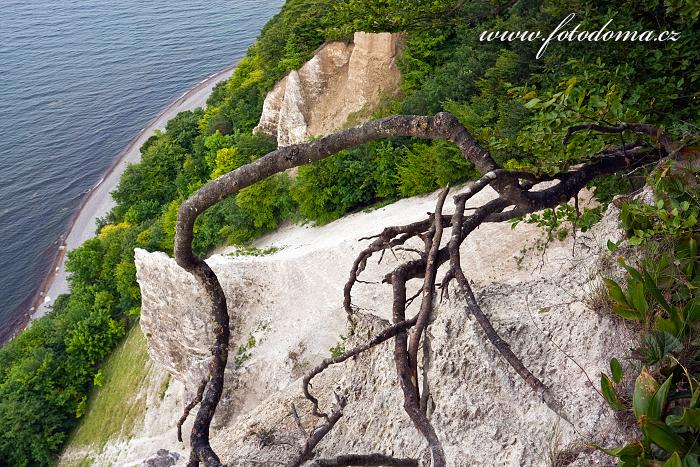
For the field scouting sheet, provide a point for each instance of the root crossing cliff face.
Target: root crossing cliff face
(344, 81)
(287, 312)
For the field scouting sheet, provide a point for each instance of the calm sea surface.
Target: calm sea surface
(78, 79)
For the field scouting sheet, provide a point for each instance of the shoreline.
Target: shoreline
(81, 225)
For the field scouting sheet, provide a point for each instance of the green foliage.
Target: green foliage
(661, 293)
(244, 351)
(607, 188)
(662, 290)
(429, 166)
(114, 407)
(558, 221)
(327, 189)
(183, 128)
(609, 393)
(616, 370)
(246, 250)
(658, 348)
(45, 373)
(338, 349)
(266, 203)
(669, 430)
(554, 113)
(153, 179)
(675, 212)
(389, 15)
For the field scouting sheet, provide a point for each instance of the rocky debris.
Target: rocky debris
(286, 313)
(342, 80)
(163, 458)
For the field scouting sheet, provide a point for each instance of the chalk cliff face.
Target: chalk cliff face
(290, 302)
(340, 80)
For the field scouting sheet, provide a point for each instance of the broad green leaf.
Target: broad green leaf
(689, 418)
(630, 451)
(650, 285)
(609, 393)
(696, 397)
(626, 312)
(615, 291)
(616, 370)
(663, 436)
(692, 310)
(532, 103)
(639, 301)
(691, 460)
(668, 326)
(635, 241)
(674, 461)
(658, 345)
(658, 401)
(636, 275)
(693, 247)
(644, 389)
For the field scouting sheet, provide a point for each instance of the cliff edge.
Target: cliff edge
(342, 80)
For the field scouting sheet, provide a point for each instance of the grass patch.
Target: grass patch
(116, 407)
(164, 386)
(86, 462)
(248, 250)
(244, 351)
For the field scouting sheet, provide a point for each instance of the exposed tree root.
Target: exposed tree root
(197, 399)
(364, 459)
(312, 440)
(383, 336)
(515, 198)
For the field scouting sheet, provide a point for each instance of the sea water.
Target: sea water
(78, 79)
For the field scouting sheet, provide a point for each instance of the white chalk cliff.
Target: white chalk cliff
(286, 312)
(291, 303)
(341, 80)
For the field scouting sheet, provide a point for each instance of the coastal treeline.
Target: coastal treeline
(515, 104)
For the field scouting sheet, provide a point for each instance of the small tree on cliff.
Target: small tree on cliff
(643, 144)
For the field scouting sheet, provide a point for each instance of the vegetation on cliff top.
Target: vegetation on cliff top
(516, 105)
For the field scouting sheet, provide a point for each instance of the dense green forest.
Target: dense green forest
(515, 104)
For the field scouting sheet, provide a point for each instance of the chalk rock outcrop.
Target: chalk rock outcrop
(163, 458)
(340, 80)
(286, 311)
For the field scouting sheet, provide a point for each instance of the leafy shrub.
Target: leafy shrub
(327, 189)
(427, 167)
(675, 212)
(662, 294)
